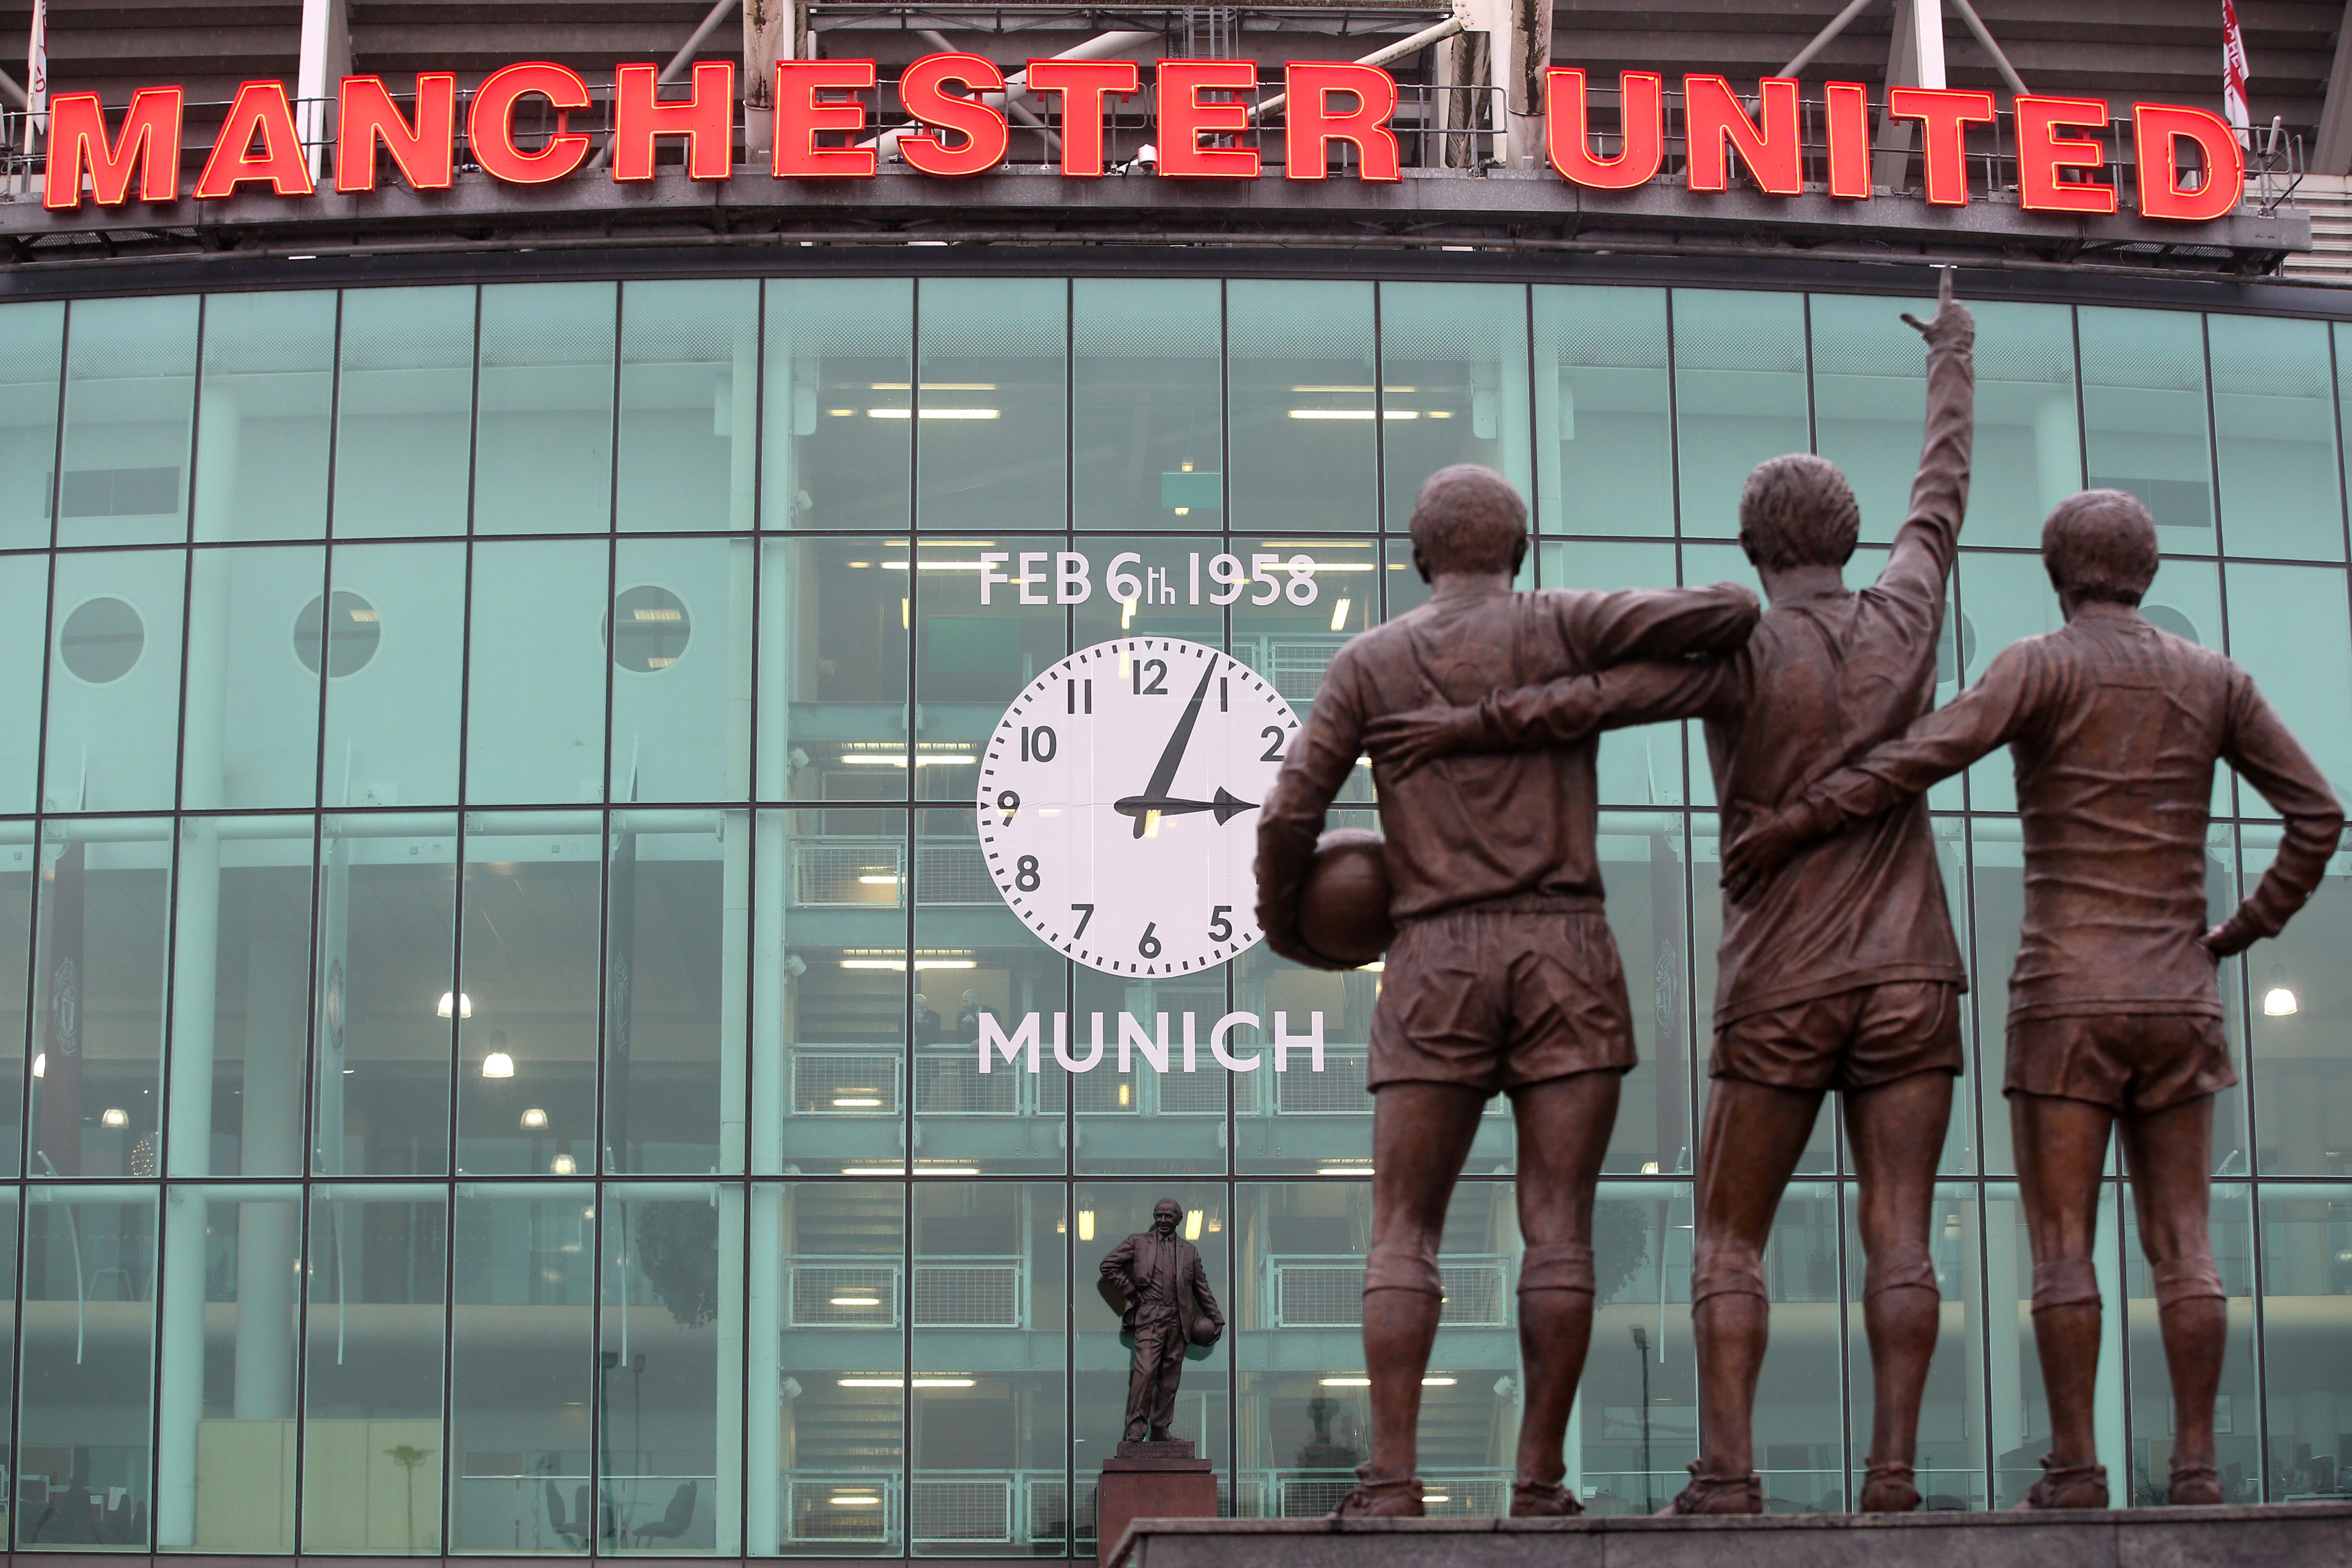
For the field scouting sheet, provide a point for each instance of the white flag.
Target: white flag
(2233, 71)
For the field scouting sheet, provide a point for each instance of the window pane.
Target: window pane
(535, 682)
(403, 412)
(1637, 1421)
(828, 1334)
(261, 431)
(371, 1447)
(2306, 1313)
(839, 449)
(686, 447)
(829, 1074)
(972, 659)
(1175, 590)
(114, 681)
(240, 996)
(522, 1371)
(987, 1411)
(526, 1023)
(2144, 405)
(1644, 765)
(1147, 403)
(395, 634)
(1301, 409)
(2004, 598)
(991, 426)
(543, 436)
(975, 958)
(225, 1449)
(387, 1013)
(1604, 455)
(2275, 427)
(1454, 373)
(2020, 1415)
(89, 1341)
(2303, 1099)
(677, 929)
(2290, 629)
(2237, 1448)
(97, 1048)
(30, 338)
(1135, 1119)
(255, 659)
(1642, 862)
(1740, 397)
(17, 888)
(129, 387)
(833, 614)
(1950, 1464)
(682, 669)
(24, 610)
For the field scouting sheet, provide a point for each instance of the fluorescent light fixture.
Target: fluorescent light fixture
(1437, 1383)
(1364, 1170)
(1436, 1497)
(857, 1301)
(934, 412)
(1340, 614)
(564, 1165)
(1192, 1224)
(858, 1503)
(115, 1116)
(657, 613)
(878, 879)
(498, 1064)
(462, 1005)
(1330, 414)
(900, 1383)
(1347, 1382)
(900, 963)
(856, 1103)
(947, 1170)
(1085, 1225)
(873, 1170)
(535, 1118)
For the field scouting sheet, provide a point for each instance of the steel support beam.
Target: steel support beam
(324, 60)
(678, 62)
(1984, 36)
(2332, 152)
(1102, 47)
(771, 31)
(1823, 39)
(1915, 58)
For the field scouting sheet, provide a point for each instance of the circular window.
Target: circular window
(2164, 617)
(653, 628)
(352, 632)
(102, 640)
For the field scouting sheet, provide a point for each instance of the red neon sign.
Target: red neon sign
(1206, 124)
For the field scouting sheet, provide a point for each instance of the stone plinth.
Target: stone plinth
(2272, 1535)
(1161, 1482)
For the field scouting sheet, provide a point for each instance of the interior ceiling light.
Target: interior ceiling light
(461, 1003)
(498, 1064)
(115, 1116)
(564, 1165)
(2279, 1001)
(535, 1118)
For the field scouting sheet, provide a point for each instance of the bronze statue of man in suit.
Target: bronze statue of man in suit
(1167, 1308)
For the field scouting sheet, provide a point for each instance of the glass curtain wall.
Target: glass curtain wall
(500, 948)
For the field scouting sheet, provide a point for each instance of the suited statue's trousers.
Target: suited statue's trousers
(1151, 1382)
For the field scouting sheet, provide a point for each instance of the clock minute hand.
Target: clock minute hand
(1227, 806)
(1163, 776)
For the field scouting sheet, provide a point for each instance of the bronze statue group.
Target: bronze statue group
(1838, 968)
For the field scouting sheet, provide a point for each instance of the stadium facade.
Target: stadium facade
(494, 938)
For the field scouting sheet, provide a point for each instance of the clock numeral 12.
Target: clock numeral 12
(1152, 687)
(1038, 743)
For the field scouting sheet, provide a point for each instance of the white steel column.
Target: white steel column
(324, 61)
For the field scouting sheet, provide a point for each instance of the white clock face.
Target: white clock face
(1119, 804)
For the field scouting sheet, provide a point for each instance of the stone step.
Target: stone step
(2269, 1535)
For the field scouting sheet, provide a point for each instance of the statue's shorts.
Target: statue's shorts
(1854, 1039)
(1499, 997)
(2132, 1063)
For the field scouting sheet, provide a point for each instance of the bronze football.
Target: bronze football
(1343, 911)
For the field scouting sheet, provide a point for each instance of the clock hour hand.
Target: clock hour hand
(1227, 806)
(1164, 775)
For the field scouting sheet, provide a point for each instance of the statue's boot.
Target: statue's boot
(1369, 1498)
(2068, 1486)
(1889, 1488)
(2194, 1485)
(1709, 1493)
(1543, 1499)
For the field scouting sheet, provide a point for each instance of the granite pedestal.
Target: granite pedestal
(2271, 1535)
(1160, 1481)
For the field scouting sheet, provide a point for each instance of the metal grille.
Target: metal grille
(960, 1510)
(817, 1513)
(1297, 668)
(821, 1078)
(1049, 1508)
(1195, 1093)
(953, 1085)
(828, 873)
(968, 1295)
(952, 874)
(1317, 1293)
(816, 1288)
(1100, 1093)
(1336, 1090)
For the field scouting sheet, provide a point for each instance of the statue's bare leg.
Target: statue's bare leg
(1752, 1140)
(2060, 1145)
(2170, 1153)
(1563, 1133)
(1421, 1134)
(1897, 1132)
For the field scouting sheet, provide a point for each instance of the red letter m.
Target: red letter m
(78, 148)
